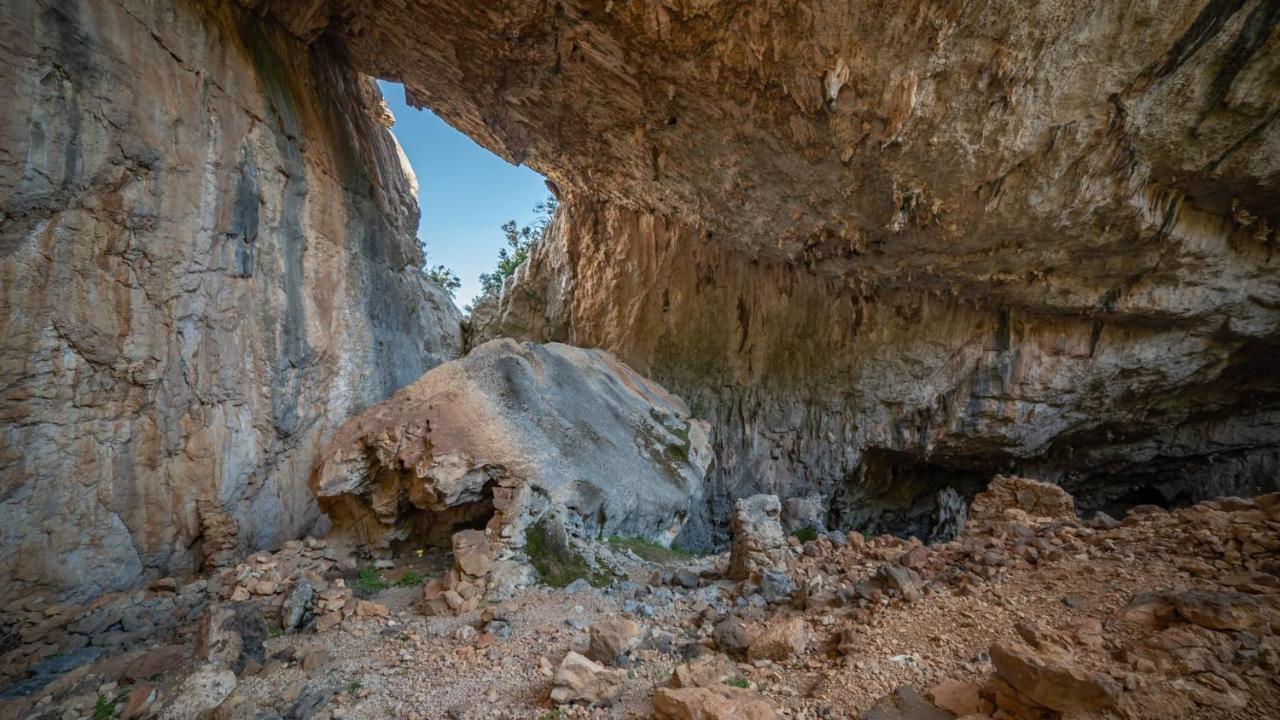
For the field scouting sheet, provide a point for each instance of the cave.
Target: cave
(1120, 506)
(856, 263)
(898, 493)
(781, 209)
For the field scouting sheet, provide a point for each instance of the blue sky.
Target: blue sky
(465, 193)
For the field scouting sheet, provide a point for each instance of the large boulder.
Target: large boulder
(508, 434)
(1053, 680)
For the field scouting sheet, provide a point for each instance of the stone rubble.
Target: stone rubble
(1029, 614)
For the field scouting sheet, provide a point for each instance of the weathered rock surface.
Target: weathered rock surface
(1019, 500)
(758, 541)
(200, 692)
(613, 638)
(782, 638)
(207, 262)
(508, 434)
(579, 680)
(1053, 682)
(711, 703)
(885, 251)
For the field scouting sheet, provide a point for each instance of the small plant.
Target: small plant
(370, 581)
(354, 687)
(805, 534)
(409, 579)
(648, 549)
(738, 683)
(105, 709)
(552, 715)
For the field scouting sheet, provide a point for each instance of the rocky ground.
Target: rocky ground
(1031, 613)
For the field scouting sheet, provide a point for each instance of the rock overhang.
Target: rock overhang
(963, 149)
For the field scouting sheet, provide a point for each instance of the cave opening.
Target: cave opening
(434, 527)
(478, 212)
(1120, 506)
(904, 494)
(396, 513)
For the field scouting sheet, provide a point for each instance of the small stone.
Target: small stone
(201, 691)
(733, 635)
(905, 703)
(613, 638)
(711, 703)
(369, 609)
(776, 586)
(686, 578)
(959, 697)
(314, 658)
(328, 620)
(578, 586)
(578, 679)
(165, 584)
(780, 640)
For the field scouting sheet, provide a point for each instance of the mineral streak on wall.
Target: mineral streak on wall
(207, 262)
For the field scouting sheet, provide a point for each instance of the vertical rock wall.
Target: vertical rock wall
(207, 262)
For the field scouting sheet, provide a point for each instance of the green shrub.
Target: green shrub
(370, 581)
(806, 534)
(738, 682)
(519, 241)
(445, 278)
(105, 709)
(409, 579)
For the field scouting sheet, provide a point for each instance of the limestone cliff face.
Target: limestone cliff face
(874, 401)
(207, 263)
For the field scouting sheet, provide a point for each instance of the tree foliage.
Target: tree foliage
(445, 278)
(519, 241)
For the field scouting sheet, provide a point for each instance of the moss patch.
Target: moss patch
(105, 708)
(805, 534)
(649, 550)
(558, 566)
(409, 579)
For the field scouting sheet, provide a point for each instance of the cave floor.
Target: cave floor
(1093, 604)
